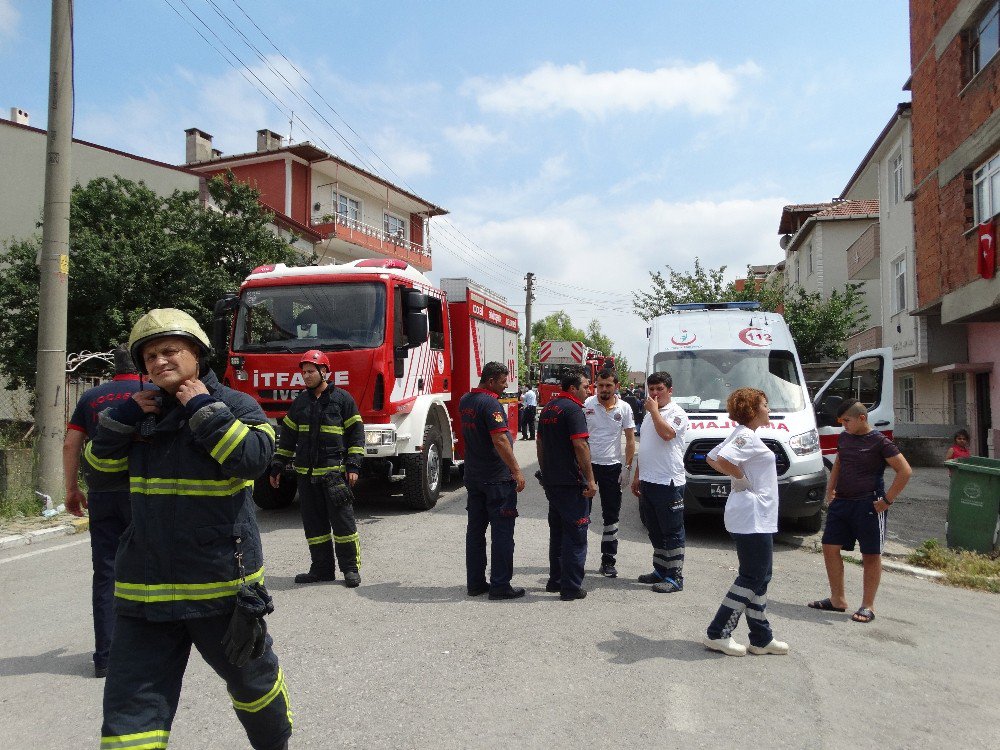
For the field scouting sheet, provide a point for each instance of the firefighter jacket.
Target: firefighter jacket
(323, 434)
(191, 475)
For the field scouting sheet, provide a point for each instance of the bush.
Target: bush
(961, 568)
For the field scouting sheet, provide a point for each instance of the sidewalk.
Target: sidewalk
(25, 531)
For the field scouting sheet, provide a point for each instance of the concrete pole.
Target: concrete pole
(530, 279)
(50, 388)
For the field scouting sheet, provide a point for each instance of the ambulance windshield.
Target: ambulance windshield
(330, 317)
(703, 379)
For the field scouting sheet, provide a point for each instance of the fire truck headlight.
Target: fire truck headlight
(380, 437)
(804, 444)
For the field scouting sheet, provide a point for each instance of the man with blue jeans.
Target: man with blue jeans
(492, 479)
(659, 483)
(568, 479)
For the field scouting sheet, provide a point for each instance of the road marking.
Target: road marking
(41, 551)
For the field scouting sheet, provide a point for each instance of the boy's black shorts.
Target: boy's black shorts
(850, 520)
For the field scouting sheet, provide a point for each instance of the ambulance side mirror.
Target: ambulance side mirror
(826, 410)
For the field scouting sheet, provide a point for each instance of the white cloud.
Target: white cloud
(610, 250)
(702, 88)
(406, 159)
(9, 18)
(469, 140)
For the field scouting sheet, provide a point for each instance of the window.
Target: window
(348, 208)
(959, 412)
(899, 284)
(435, 322)
(984, 39)
(797, 264)
(395, 227)
(986, 189)
(905, 410)
(809, 259)
(897, 188)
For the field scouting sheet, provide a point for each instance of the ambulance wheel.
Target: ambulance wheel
(810, 524)
(268, 498)
(424, 472)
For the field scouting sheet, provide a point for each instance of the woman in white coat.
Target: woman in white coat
(752, 519)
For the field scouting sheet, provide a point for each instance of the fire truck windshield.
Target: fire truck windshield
(551, 374)
(314, 316)
(704, 379)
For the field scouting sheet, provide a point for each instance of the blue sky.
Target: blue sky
(589, 143)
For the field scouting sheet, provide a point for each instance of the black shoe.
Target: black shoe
(100, 672)
(572, 596)
(650, 578)
(552, 586)
(315, 577)
(508, 593)
(608, 570)
(352, 579)
(478, 590)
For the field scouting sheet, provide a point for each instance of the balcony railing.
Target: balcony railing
(324, 217)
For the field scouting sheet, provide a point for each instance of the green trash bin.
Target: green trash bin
(974, 504)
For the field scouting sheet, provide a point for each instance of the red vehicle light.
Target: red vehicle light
(381, 263)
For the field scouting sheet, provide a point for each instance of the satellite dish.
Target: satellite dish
(785, 241)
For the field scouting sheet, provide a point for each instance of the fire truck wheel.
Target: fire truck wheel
(422, 483)
(268, 498)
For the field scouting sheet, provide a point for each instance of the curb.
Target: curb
(791, 540)
(76, 526)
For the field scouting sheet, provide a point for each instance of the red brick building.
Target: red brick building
(347, 212)
(955, 83)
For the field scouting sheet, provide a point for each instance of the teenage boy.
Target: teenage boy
(659, 483)
(858, 506)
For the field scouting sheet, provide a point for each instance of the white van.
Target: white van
(711, 349)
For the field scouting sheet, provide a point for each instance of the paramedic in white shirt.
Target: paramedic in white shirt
(751, 519)
(530, 402)
(608, 418)
(659, 483)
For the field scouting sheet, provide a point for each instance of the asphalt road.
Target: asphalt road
(409, 661)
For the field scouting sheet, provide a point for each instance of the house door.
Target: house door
(984, 417)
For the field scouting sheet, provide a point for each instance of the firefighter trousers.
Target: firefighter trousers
(147, 666)
(329, 528)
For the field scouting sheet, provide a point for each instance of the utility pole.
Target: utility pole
(530, 279)
(50, 388)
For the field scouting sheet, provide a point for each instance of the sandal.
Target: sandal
(826, 605)
(863, 615)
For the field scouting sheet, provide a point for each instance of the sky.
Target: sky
(588, 143)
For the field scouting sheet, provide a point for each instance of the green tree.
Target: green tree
(132, 250)
(819, 326)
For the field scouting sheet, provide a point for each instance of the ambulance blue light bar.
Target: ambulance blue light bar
(716, 306)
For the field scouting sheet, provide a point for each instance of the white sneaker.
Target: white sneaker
(774, 647)
(726, 645)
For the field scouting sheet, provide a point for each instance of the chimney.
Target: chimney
(216, 154)
(19, 116)
(198, 146)
(268, 140)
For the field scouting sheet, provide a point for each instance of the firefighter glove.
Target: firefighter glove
(246, 636)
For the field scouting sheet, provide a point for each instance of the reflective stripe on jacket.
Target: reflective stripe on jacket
(322, 435)
(191, 483)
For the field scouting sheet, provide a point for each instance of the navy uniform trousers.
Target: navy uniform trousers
(493, 505)
(110, 514)
(609, 487)
(148, 660)
(569, 518)
(661, 507)
(321, 517)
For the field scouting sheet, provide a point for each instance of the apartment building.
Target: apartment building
(955, 85)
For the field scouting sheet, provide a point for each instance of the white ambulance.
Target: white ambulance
(711, 349)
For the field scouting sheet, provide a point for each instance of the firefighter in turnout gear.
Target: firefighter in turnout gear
(189, 569)
(323, 437)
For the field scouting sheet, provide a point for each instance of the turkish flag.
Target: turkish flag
(986, 250)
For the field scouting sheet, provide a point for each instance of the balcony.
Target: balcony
(863, 256)
(355, 239)
(869, 339)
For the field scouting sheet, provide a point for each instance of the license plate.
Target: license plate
(719, 490)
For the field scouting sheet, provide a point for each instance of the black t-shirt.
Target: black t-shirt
(562, 422)
(862, 460)
(482, 415)
(84, 419)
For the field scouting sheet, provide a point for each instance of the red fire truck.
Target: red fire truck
(404, 349)
(555, 356)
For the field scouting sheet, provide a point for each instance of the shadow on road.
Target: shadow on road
(56, 661)
(629, 648)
